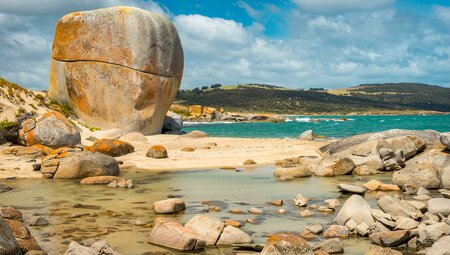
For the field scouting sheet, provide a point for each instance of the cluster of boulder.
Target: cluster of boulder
(198, 113)
(399, 222)
(200, 231)
(15, 237)
(368, 154)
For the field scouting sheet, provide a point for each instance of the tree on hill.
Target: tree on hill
(216, 86)
(205, 87)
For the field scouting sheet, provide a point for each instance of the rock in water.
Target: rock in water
(52, 129)
(8, 244)
(169, 233)
(117, 67)
(357, 209)
(279, 244)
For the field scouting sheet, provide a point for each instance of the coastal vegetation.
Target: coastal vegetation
(360, 99)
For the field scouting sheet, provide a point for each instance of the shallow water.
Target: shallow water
(118, 209)
(329, 126)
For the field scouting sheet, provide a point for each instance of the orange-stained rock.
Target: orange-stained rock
(100, 180)
(196, 110)
(117, 67)
(157, 151)
(26, 152)
(52, 129)
(44, 149)
(113, 148)
(209, 110)
(286, 244)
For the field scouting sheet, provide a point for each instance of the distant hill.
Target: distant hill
(365, 98)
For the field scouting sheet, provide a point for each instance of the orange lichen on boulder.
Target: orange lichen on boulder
(114, 148)
(157, 151)
(44, 149)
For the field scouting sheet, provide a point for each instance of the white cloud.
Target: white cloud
(253, 13)
(337, 6)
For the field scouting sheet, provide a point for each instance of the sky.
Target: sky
(290, 43)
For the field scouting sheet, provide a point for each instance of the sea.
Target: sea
(328, 126)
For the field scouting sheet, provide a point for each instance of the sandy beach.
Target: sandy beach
(229, 152)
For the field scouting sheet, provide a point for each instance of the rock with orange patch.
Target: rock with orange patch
(113, 148)
(25, 152)
(117, 67)
(157, 151)
(52, 129)
(196, 110)
(279, 244)
(44, 149)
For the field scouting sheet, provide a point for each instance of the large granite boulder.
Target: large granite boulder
(52, 129)
(117, 67)
(78, 165)
(207, 227)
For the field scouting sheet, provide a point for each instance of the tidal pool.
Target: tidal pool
(115, 211)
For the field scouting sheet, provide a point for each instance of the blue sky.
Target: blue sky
(292, 43)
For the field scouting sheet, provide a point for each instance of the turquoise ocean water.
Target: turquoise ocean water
(330, 126)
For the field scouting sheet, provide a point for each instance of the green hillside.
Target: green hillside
(359, 99)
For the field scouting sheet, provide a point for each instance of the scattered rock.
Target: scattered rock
(357, 209)
(157, 151)
(52, 129)
(390, 238)
(10, 213)
(306, 135)
(169, 233)
(336, 231)
(280, 244)
(330, 246)
(207, 227)
(293, 171)
(445, 139)
(422, 191)
(39, 221)
(315, 228)
(332, 166)
(440, 247)
(300, 200)
(100, 180)
(188, 149)
(305, 213)
(278, 202)
(24, 152)
(78, 165)
(8, 244)
(133, 137)
(169, 206)
(404, 223)
(4, 188)
(255, 210)
(333, 203)
(232, 235)
(233, 223)
(439, 206)
(428, 234)
(113, 148)
(196, 134)
(249, 162)
(398, 208)
(350, 188)
(377, 250)
(422, 174)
